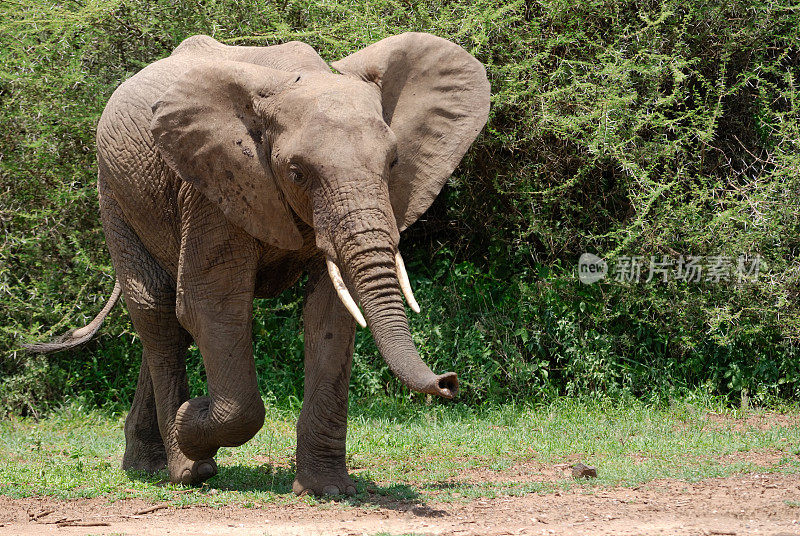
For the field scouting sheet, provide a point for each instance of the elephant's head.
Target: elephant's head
(359, 156)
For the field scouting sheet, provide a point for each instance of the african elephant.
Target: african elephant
(224, 174)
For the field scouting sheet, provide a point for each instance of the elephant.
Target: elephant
(225, 173)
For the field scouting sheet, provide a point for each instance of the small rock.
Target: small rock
(583, 471)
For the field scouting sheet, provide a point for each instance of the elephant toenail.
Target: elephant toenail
(186, 476)
(351, 490)
(205, 471)
(330, 490)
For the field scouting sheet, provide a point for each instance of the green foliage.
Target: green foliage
(617, 127)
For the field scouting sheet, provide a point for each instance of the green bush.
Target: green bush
(617, 127)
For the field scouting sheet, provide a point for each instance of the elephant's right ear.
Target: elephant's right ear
(435, 98)
(206, 127)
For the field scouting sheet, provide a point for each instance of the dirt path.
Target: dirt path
(741, 504)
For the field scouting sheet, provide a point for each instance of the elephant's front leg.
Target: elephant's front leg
(322, 427)
(216, 278)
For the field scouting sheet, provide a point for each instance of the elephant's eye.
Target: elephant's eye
(295, 174)
(394, 163)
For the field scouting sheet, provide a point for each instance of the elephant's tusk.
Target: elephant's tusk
(344, 294)
(405, 284)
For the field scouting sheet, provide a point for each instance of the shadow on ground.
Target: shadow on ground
(278, 480)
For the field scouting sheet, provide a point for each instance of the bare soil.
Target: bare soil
(736, 505)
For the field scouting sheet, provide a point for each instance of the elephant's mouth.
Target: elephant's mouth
(379, 283)
(348, 301)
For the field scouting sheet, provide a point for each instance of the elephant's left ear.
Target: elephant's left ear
(208, 129)
(435, 98)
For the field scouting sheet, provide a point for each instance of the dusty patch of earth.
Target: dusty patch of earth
(740, 504)
(759, 420)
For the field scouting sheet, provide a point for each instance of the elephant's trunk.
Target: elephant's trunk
(369, 261)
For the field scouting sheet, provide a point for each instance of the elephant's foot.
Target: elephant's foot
(182, 470)
(324, 484)
(190, 433)
(148, 458)
(199, 436)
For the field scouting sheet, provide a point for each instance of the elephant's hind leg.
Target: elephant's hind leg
(144, 448)
(149, 294)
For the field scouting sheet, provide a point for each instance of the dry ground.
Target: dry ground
(740, 504)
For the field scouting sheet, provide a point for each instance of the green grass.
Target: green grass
(411, 454)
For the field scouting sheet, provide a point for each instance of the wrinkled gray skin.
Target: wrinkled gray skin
(224, 174)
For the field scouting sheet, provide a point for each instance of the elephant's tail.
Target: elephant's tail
(81, 335)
